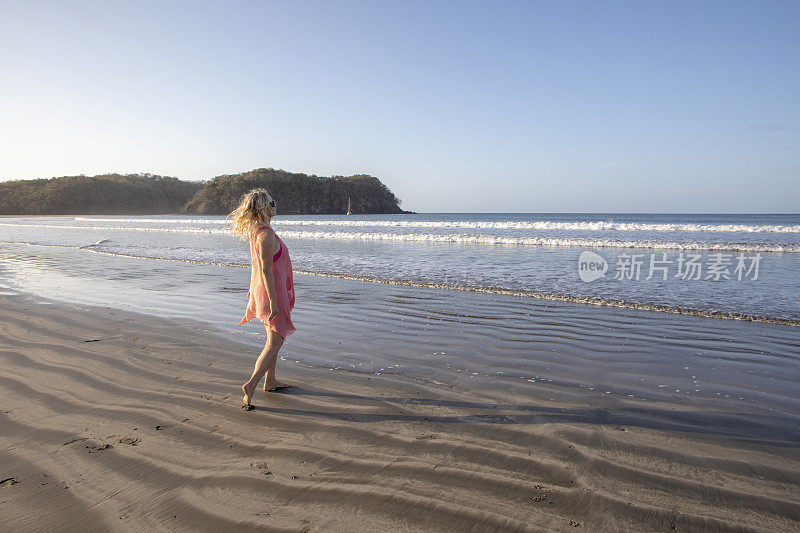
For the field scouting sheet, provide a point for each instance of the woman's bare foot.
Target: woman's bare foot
(274, 384)
(248, 395)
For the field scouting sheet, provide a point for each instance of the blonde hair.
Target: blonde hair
(257, 206)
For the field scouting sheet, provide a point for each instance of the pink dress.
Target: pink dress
(258, 299)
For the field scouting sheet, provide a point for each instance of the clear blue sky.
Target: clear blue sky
(457, 106)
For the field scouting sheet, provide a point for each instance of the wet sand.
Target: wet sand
(114, 420)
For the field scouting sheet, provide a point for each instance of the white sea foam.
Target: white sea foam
(216, 220)
(546, 225)
(541, 225)
(472, 239)
(177, 229)
(461, 238)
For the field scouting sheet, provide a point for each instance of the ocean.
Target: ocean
(533, 255)
(598, 309)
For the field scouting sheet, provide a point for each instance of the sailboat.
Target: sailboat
(348, 205)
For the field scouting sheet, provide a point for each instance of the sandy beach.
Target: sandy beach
(119, 421)
(524, 266)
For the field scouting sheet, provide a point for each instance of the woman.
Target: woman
(271, 295)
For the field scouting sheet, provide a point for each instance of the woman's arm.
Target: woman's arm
(267, 247)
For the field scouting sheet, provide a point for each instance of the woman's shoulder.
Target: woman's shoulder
(262, 229)
(263, 232)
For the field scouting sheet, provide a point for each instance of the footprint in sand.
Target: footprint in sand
(544, 494)
(263, 468)
(98, 447)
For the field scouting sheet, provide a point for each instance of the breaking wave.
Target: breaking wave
(543, 225)
(474, 239)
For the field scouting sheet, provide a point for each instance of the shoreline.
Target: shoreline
(498, 344)
(343, 450)
(534, 295)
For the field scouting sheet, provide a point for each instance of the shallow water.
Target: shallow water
(522, 253)
(498, 344)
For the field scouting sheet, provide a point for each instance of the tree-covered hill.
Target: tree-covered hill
(108, 194)
(297, 193)
(147, 194)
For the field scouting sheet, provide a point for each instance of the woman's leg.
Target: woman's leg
(265, 363)
(270, 381)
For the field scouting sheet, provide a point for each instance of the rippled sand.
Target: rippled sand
(116, 421)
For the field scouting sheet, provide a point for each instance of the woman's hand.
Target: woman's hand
(273, 312)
